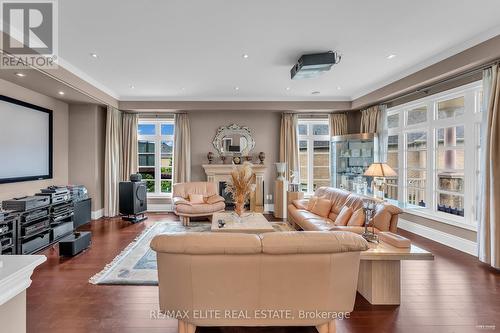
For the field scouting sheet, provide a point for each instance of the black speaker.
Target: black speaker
(133, 198)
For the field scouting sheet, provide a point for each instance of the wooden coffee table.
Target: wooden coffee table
(379, 279)
(251, 222)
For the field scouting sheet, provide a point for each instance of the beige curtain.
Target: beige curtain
(112, 161)
(489, 224)
(338, 124)
(182, 149)
(370, 120)
(289, 146)
(129, 145)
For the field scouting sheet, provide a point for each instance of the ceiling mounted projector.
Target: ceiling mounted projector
(312, 65)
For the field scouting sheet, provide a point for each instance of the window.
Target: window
(434, 147)
(156, 153)
(314, 154)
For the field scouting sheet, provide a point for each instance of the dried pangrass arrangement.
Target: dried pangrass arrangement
(241, 186)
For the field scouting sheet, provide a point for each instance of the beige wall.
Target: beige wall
(87, 126)
(60, 139)
(265, 128)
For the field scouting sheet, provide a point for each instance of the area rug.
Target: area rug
(136, 264)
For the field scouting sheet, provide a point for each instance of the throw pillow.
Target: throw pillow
(196, 198)
(344, 216)
(311, 203)
(214, 199)
(357, 219)
(322, 207)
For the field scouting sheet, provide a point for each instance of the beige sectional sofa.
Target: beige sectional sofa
(236, 279)
(336, 209)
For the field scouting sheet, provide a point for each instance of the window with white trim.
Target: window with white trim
(434, 147)
(156, 154)
(314, 154)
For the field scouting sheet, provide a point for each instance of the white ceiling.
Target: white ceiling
(192, 50)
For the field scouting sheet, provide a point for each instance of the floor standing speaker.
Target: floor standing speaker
(133, 200)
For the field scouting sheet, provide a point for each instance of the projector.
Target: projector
(312, 65)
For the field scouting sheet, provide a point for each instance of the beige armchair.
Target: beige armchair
(236, 279)
(196, 199)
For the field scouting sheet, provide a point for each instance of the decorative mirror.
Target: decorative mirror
(233, 140)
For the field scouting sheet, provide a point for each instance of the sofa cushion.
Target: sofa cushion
(199, 208)
(300, 204)
(316, 224)
(293, 242)
(357, 218)
(344, 216)
(207, 243)
(322, 207)
(196, 198)
(311, 203)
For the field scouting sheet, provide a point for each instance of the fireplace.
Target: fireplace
(228, 197)
(221, 173)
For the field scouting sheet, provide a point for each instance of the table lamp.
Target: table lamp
(379, 171)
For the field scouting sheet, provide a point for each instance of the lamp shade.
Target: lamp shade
(380, 170)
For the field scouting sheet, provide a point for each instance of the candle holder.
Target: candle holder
(369, 209)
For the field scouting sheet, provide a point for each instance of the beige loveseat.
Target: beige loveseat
(336, 209)
(196, 199)
(235, 279)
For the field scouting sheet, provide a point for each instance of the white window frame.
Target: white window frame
(157, 139)
(310, 138)
(471, 122)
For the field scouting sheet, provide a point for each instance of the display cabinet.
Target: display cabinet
(351, 155)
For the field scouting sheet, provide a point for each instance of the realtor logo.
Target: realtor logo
(30, 34)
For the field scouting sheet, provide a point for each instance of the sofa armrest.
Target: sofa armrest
(300, 204)
(214, 199)
(180, 201)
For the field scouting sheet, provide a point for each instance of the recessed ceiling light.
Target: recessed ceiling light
(339, 88)
(131, 86)
(94, 55)
(288, 88)
(244, 56)
(391, 56)
(236, 88)
(20, 74)
(315, 92)
(61, 93)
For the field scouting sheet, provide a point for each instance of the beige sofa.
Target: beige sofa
(235, 279)
(183, 199)
(342, 211)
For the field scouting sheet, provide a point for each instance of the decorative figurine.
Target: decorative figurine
(262, 156)
(223, 159)
(248, 158)
(210, 157)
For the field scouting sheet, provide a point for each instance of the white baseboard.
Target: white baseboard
(160, 208)
(453, 241)
(97, 214)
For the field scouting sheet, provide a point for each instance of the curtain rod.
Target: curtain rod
(455, 77)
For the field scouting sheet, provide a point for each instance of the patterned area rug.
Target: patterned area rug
(136, 264)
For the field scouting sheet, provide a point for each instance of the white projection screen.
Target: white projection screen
(25, 141)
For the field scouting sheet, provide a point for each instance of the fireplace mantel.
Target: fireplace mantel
(222, 173)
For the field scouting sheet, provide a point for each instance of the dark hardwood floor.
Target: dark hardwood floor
(453, 293)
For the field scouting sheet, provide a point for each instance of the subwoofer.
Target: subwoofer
(133, 200)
